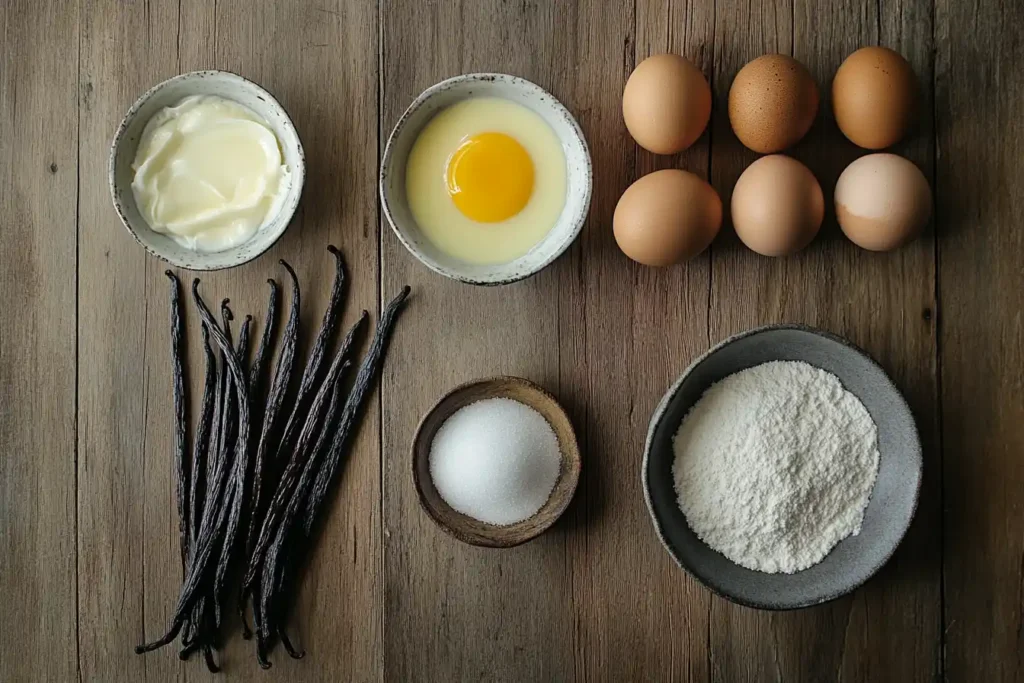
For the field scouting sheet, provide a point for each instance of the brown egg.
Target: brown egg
(666, 104)
(777, 206)
(883, 201)
(874, 97)
(666, 217)
(772, 103)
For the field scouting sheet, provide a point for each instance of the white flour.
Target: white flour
(774, 465)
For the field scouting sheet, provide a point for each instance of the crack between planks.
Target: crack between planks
(382, 528)
(711, 148)
(177, 49)
(145, 437)
(842, 645)
(710, 652)
(792, 28)
(711, 263)
(215, 60)
(878, 22)
(78, 223)
(775, 652)
(177, 39)
(1020, 612)
(937, 317)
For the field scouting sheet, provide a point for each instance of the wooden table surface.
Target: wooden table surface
(88, 545)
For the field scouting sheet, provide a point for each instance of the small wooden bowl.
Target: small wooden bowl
(466, 528)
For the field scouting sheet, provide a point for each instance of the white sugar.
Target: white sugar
(496, 460)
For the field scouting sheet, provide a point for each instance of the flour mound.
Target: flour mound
(774, 465)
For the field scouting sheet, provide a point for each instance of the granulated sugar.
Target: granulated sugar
(774, 466)
(496, 460)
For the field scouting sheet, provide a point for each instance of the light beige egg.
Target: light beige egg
(882, 201)
(666, 217)
(777, 206)
(666, 103)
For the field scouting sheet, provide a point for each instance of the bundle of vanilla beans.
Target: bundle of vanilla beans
(268, 448)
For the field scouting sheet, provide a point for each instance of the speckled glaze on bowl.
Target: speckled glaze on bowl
(578, 169)
(893, 500)
(126, 142)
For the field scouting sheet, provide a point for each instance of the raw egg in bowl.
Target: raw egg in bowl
(486, 178)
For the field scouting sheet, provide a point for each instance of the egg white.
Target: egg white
(427, 190)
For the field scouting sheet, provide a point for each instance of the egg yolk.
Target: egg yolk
(490, 177)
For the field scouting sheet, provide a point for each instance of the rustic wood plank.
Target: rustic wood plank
(38, 194)
(320, 61)
(124, 465)
(453, 612)
(882, 302)
(567, 606)
(979, 88)
(630, 331)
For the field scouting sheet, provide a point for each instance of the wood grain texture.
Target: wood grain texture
(451, 611)
(88, 537)
(123, 52)
(978, 93)
(38, 154)
(320, 62)
(628, 332)
(882, 302)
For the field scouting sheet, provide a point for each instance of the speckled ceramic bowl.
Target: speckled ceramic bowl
(521, 91)
(893, 500)
(126, 142)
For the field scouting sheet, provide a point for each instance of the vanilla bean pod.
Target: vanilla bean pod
(242, 349)
(227, 417)
(287, 573)
(197, 491)
(291, 508)
(306, 503)
(353, 406)
(212, 519)
(289, 477)
(278, 389)
(201, 447)
(234, 454)
(263, 351)
(240, 515)
(237, 486)
(181, 464)
(326, 472)
(290, 472)
(200, 628)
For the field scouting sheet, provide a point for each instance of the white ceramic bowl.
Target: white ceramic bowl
(520, 91)
(170, 92)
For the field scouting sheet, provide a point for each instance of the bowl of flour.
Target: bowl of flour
(782, 469)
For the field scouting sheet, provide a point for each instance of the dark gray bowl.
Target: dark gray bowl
(893, 500)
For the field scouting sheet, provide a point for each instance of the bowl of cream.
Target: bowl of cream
(486, 178)
(206, 170)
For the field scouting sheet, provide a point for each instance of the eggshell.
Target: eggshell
(874, 97)
(777, 206)
(666, 104)
(772, 103)
(666, 217)
(883, 201)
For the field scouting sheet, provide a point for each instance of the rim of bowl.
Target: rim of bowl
(126, 120)
(419, 101)
(659, 413)
(557, 511)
